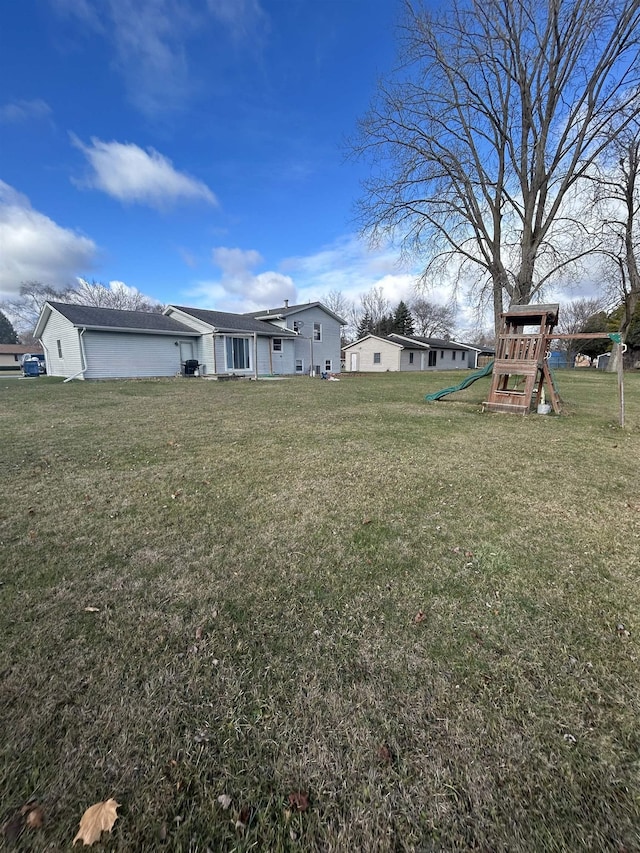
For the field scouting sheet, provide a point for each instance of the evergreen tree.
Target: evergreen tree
(7, 332)
(384, 326)
(403, 320)
(365, 326)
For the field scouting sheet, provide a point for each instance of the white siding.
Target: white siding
(389, 356)
(58, 328)
(121, 355)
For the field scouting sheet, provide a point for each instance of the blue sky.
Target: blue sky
(192, 149)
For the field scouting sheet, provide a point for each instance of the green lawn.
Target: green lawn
(374, 623)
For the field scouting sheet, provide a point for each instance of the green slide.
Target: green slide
(468, 380)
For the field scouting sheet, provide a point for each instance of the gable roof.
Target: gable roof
(384, 340)
(20, 349)
(434, 343)
(223, 321)
(287, 310)
(112, 319)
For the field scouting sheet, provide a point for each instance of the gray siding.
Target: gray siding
(420, 359)
(316, 353)
(58, 328)
(116, 355)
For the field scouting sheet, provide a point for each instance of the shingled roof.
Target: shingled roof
(86, 316)
(223, 321)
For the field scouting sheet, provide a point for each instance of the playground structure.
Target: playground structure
(520, 371)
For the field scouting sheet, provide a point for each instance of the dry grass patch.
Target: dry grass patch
(255, 556)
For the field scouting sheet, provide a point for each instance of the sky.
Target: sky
(193, 149)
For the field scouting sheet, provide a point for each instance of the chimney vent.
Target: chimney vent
(286, 303)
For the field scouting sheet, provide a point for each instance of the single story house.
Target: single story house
(84, 342)
(374, 353)
(11, 356)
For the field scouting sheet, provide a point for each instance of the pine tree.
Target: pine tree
(365, 327)
(403, 320)
(7, 332)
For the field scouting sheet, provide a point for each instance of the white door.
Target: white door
(354, 362)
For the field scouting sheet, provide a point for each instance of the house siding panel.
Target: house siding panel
(316, 353)
(114, 355)
(389, 356)
(60, 329)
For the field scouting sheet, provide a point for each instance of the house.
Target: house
(408, 353)
(81, 341)
(11, 356)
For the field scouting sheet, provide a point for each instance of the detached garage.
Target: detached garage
(83, 342)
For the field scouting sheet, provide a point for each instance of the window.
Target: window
(327, 366)
(59, 344)
(297, 326)
(433, 355)
(237, 350)
(410, 358)
(277, 344)
(376, 358)
(441, 353)
(463, 356)
(317, 331)
(453, 355)
(299, 365)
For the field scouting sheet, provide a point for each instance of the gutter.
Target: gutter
(83, 355)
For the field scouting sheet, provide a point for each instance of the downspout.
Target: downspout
(255, 355)
(213, 344)
(83, 356)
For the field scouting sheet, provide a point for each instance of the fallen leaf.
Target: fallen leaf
(35, 817)
(92, 610)
(176, 494)
(97, 819)
(420, 616)
(384, 754)
(456, 550)
(367, 520)
(199, 633)
(299, 801)
(162, 832)
(468, 554)
(225, 801)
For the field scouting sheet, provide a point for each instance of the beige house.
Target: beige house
(11, 356)
(374, 354)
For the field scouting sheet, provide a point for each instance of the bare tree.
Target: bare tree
(375, 304)
(482, 138)
(617, 185)
(433, 320)
(116, 294)
(341, 305)
(25, 308)
(572, 319)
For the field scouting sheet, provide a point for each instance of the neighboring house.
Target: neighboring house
(395, 352)
(101, 343)
(11, 356)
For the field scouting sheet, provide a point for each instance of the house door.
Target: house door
(186, 351)
(354, 362)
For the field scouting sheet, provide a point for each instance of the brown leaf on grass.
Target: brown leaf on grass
(367, 520)
(299, 801)
(420, 616)
(468, 554)
(35, 816)
(199, 633)
(97, 819)
(384, 754)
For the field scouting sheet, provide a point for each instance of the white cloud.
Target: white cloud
(150, 40)
(34, 248)
(19, 111)
(239, 288)
(132, 175)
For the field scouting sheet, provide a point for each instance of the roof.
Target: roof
(20, 349)
(287, 310)
(112, 319)
(384, 340)
(222, 321)
(433, 343)
(533, 312)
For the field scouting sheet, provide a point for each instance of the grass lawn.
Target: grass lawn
(372, 623)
